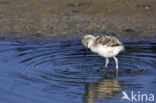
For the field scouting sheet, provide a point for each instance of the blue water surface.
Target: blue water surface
(58, 72)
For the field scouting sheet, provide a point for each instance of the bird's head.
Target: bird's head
(87, 40)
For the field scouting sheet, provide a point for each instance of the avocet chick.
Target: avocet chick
(105, 46)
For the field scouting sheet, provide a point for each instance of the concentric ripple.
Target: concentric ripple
(56, 70)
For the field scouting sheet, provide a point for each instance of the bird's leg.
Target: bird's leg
(116, 62)
(107, 61)
(106, 64)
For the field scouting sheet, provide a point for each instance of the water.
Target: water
(58, 72)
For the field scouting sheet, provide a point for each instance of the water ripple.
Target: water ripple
(61, 69)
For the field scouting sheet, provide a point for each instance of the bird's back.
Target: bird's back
(108, 41)
(107, 46)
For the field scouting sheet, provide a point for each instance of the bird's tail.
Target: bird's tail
(122, 48)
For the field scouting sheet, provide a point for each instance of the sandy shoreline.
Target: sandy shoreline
(46, 19)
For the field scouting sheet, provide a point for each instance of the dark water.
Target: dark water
(58, 72)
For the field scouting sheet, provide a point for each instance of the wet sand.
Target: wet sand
(47, 19)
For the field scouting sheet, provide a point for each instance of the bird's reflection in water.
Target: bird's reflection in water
(105, 88)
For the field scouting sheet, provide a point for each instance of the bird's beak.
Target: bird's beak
(85, 53)
(86, 49)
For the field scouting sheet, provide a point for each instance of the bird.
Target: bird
(105, 46)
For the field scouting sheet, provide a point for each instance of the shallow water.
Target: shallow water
(58, 72)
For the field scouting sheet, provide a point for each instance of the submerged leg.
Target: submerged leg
(116, 62)
(107, 61)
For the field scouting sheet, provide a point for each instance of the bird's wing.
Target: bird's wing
(108, 40)
(102, 40)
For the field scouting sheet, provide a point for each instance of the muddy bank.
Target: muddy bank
(47, 19)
